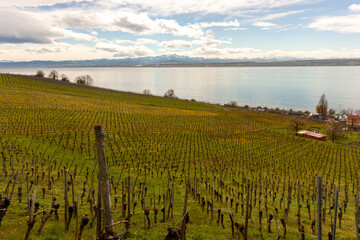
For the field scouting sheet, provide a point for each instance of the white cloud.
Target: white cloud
(74, 18)
(124, 51)
(131, 23)
(119, 20)
(44, 50)
(144, 41)
(355, 7)
(124, 41)
(165, 7)
(265, 25)
(108, 47)
(209, 40)
(278, 15)
(344, 24)
(224, 53)
(80, 36)
(235, 29)
(251, 53)
(63, 51)
(51, 52)
(50, 26)
(170, 45)
(140, 41)
(234, 23)
(20, 27)
(172, 27)
(33, 3)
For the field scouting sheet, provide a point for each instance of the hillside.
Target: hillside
(235, 160)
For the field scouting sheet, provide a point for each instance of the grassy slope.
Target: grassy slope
(52, 121)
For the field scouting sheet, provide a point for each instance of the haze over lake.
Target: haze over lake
(286, 87)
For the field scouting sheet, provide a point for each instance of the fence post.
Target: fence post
(319, 207)
(104, 179)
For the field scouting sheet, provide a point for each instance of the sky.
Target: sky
(60, 30)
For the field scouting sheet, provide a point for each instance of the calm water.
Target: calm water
(286, 87)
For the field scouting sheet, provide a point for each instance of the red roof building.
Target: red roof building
(353, 120)
(312, 135)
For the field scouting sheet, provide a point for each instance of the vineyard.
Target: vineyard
(175, 167)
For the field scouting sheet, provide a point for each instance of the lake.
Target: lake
(285, 87)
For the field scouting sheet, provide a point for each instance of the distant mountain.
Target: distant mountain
(177, 60)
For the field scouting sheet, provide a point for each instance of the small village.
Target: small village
(349, 122)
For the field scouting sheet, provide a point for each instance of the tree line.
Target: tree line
(83, 79)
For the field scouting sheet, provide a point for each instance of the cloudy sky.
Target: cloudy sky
(78, 30)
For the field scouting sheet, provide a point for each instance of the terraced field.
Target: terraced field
(239, 165)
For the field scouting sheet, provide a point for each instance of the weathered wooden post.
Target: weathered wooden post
(31, 221)
(104, 179)
(247, 211)
(357, 225)
(185, 213)
(336, 207)
(319, 207)
(98, 212)
(212, 203)
(129, 196)
(66, 203)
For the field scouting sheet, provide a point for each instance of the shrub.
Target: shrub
(84, 79)
(146, 92)
(231, 104)
(64, 78)
(54, 75)
(40, 73)
(170, 93)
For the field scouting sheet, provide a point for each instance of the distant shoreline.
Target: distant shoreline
(122, 63)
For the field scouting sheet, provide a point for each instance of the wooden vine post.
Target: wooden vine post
(319, 207)
(185, 213)
(247, 211)
(335, 214)
(66, 203)
(104, 179)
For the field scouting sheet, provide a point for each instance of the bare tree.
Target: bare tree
(170, 93)
(322, 106)
(334, 130)
(231, 104)
(296, 124)
(40, 73)
(147, 92)
(54, 75)
(350, 111)
(84, 79)
(331, 111)
(64, 78)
